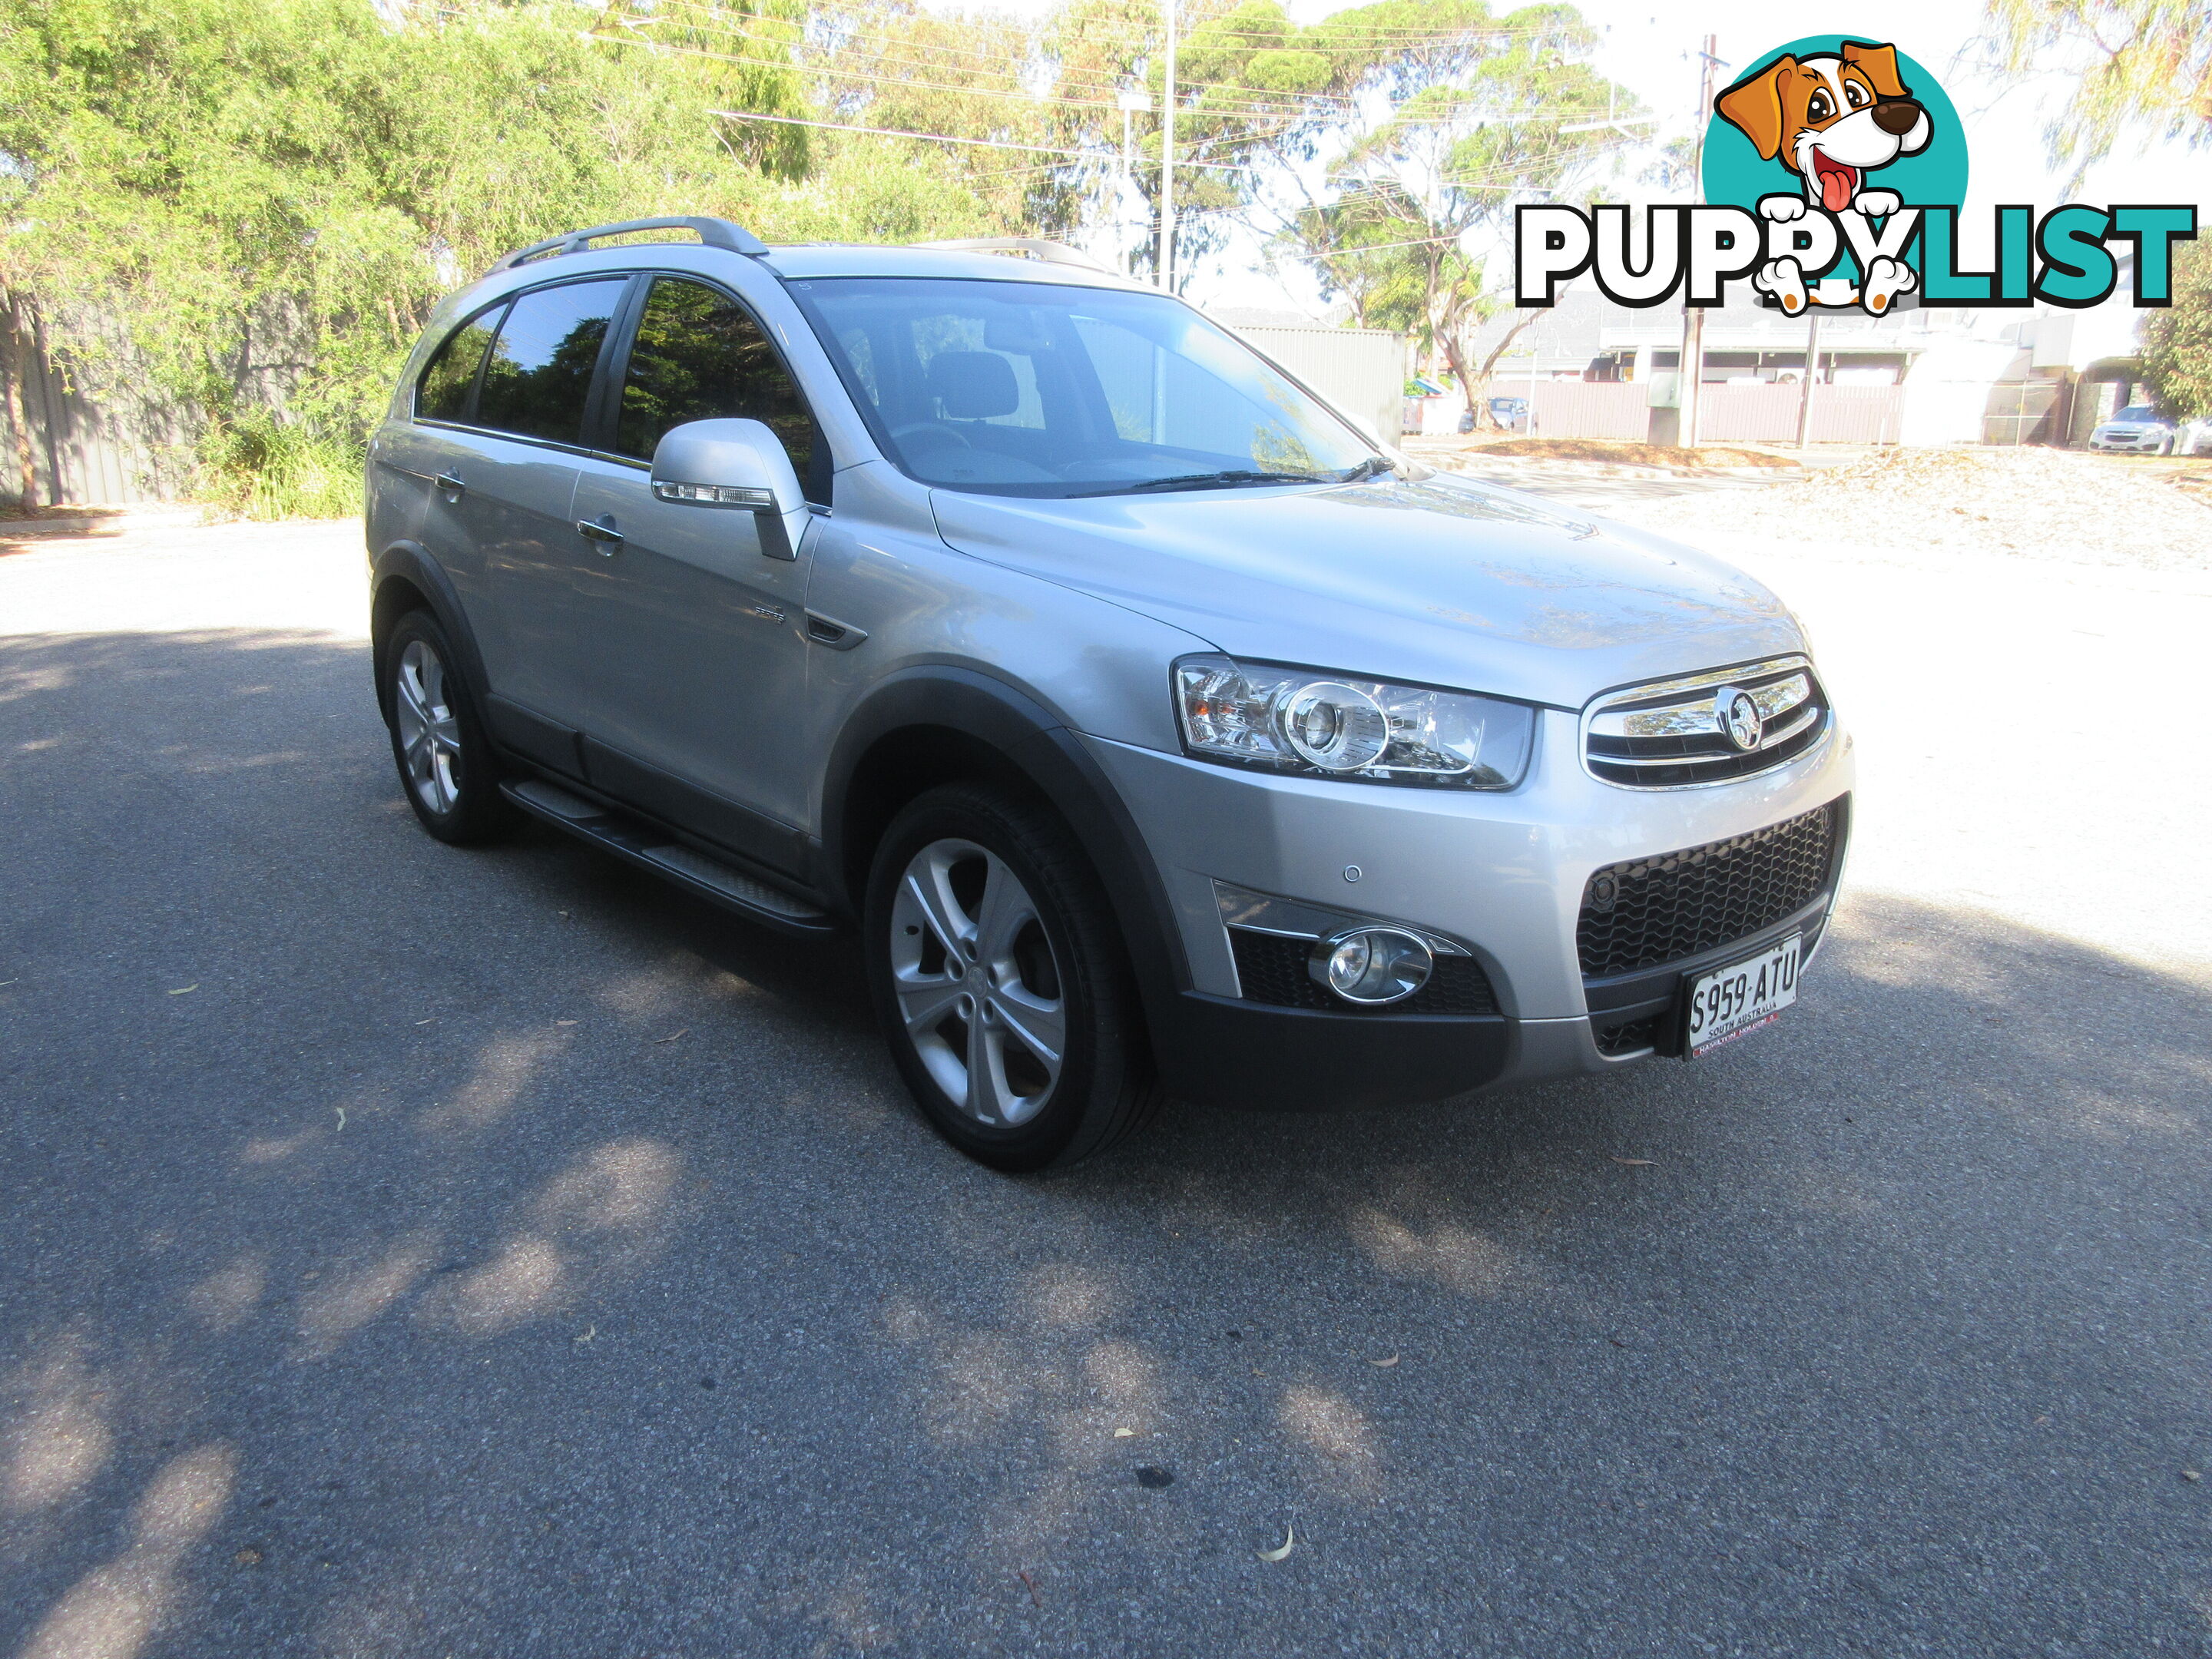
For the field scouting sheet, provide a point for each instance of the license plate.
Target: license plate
(1736, 1000)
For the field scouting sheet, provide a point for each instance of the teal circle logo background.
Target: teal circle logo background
(1733, 173)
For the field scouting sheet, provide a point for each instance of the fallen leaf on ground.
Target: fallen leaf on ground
(1290, 1539)
(686, 1031)
(2192, 1475)
(340, 1110)
(185, 990)
(433, 1020)
(1384, 1364)
(1123, 1434)
(1030, 1587)
(247, 1558)
(564, 1022)
(1631, 1160)
(590, 1331)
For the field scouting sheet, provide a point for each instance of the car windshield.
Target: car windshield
(1017, 388)
(2135, 412)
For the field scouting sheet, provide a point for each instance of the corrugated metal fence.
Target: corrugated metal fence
(1361, 370)
(81, 452)
(1730, 411)
(1745, 412)
(1584, 409)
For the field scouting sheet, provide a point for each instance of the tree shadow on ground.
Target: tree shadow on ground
(414, 1251)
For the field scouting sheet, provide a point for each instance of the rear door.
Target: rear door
(508, 492)
(698, 658)
(422, 456)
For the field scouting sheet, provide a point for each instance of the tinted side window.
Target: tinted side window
(452, 375)
(698, 357)
(541, 366)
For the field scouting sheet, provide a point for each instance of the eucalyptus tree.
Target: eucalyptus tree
(1401, 137)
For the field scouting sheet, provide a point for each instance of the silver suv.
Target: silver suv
(1161, 732)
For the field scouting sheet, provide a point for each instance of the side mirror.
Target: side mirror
(738, 464)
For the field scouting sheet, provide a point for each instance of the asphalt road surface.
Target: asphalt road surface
(416, 1252)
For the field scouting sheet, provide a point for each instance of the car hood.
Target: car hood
(1442, 581)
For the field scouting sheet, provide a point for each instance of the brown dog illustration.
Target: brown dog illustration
(1832, 118)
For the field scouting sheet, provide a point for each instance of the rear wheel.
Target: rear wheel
(1002, 983)
(445, 759)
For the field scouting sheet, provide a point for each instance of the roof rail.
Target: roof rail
(1053, 254)
(711, 233)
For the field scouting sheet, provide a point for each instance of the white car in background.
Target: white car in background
(2194, 437)
(2137, 430)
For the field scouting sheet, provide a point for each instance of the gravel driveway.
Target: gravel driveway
(413, 1252)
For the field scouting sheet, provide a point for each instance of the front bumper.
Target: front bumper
(1502, 875)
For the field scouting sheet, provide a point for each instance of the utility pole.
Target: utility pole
(1692, 370)
(1529, 420)
(1166, 272)
(1132, 99)
(1812, 370)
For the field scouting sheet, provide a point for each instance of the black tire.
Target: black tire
(456, 793)
(1066, 950)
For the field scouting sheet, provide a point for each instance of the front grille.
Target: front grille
(1271, 969)
(1692, 731)
(1644, 911)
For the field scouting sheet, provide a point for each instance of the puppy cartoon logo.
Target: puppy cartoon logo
(1832, 118)
(1834, 175)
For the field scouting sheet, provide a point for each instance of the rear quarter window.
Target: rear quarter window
(451, 378)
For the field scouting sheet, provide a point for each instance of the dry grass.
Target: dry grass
(1620, 453)
(2030, 503)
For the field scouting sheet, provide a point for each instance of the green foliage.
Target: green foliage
(252, 467)
(233, 209)
(2177, 355)
(1480, 103)
(2145, 65)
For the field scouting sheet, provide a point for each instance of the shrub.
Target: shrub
(254, 466)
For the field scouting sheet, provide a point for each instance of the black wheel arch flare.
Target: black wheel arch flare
(928, 725)
(405, 567)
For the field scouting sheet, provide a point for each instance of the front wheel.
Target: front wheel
(1002, 983)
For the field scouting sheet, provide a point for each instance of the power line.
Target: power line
(947, 138)
(895, 132)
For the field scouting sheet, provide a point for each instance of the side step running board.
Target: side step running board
(641, 844)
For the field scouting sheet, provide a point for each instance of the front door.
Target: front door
(697, 649)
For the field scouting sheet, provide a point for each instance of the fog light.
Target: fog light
(1371, 966)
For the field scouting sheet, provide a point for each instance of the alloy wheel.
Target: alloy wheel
(979, 988)
(430, 730)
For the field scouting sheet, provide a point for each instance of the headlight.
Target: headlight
(1312, 724)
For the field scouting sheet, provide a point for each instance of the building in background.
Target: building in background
(1594, 368)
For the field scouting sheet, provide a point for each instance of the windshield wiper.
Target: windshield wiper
(1373, 467)
(1225, 480)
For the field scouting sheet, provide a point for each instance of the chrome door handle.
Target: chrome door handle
(606, 535)
(449, 483)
